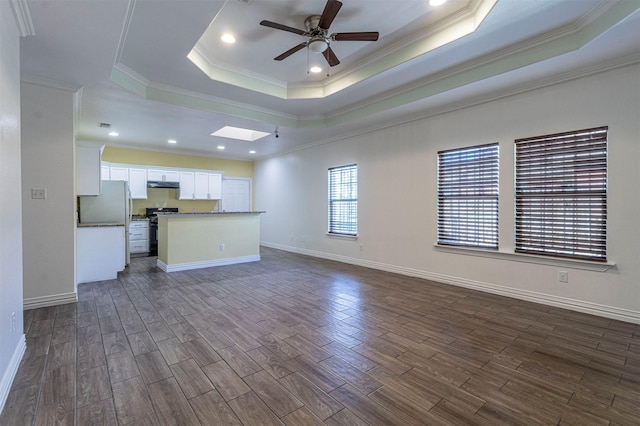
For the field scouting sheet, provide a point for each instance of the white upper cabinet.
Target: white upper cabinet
(138, 183)
(207, 186)
(105, 172)
(215, 186)
(187, 186)
(88, 159)
(163, 175)
(119, 173)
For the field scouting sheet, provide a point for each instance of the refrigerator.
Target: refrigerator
(113, 205)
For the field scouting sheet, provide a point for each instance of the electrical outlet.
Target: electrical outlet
(222, 247)
(563, 276)
(360, 247)
(13, 322)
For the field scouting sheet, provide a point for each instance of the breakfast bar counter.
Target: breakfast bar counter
(202, 240)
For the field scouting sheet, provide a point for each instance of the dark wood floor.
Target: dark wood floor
(303, 341)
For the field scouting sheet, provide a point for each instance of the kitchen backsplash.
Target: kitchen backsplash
(165, 197)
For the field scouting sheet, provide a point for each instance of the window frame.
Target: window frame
(542, 223)
(459, 191)
(346, 198)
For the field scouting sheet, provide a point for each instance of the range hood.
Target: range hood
(162, 184)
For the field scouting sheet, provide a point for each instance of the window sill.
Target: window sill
(528, 258)
(348, 237)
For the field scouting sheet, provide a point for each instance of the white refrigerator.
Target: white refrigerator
(113, 205)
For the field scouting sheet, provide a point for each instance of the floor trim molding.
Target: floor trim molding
(51, 300)
(12, 369)
(207, 263)
(612, 312)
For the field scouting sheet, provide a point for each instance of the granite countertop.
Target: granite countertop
(139, 217)
(97, 224)
(192, 214)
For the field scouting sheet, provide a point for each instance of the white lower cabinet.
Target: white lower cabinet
(100, 253)
(139, 237)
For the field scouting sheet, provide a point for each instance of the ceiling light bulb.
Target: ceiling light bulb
(436, 3)
(228, 38)
(318, 45)
(220, 147)
(114, 134)
(315, 69)
(252, 152)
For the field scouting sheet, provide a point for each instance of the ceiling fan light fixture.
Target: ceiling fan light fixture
(228, 38)
(315, 69)
(318, 45)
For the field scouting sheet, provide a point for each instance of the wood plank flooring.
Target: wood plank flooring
(301, 341)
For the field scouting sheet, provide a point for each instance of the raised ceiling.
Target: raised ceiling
(131, 59)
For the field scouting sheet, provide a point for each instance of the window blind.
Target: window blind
(468, 196)
(343, 200)
(561, 194)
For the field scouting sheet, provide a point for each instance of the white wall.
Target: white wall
(49, 224)
(397, 194)
(11, 342)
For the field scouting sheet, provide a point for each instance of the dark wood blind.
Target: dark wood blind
(343, 200)
(561, 194)
(468, 196)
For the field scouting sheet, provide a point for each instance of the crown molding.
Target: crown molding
(22, 17)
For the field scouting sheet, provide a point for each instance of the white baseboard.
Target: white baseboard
(206, 263)
(531, 296)
(52, 300)
(12, 369)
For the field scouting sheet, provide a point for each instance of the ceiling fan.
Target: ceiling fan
(317, 31)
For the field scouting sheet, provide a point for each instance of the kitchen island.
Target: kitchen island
(202, 240)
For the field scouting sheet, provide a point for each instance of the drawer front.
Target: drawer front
(139, 224)
(139, 246)
(138, 234)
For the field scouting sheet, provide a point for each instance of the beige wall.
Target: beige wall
(162, 197)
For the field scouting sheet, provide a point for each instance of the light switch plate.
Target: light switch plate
(38, 194)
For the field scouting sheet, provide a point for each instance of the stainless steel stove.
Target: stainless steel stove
(151, 213)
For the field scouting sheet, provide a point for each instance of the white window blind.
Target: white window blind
(343, 200)
(561, 194)
(468, 196)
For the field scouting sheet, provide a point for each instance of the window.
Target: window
(343, 200)
(468, 197)
(561, 195)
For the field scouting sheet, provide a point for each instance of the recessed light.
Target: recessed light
(172, 141)
(228, 38)
(114, 134)
(315, 69)
(239, 133)
(436, 3)
(252, 152)
(220, 147)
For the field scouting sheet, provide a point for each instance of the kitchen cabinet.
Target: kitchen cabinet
(187, 186)
(119, 173)
(163, 175)
(207, 186)
(88, 159)
(139, 237)
(105, 172)
(138, 183)
(100, 252)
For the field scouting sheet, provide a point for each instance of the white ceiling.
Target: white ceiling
(130, 58)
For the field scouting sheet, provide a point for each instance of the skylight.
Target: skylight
(239, 133)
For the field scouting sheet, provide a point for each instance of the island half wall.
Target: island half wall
(202, 240)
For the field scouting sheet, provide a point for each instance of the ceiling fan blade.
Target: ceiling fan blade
(357, 36)
(331, 57)
(329, 13)
(291, 51)
(282, 27)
